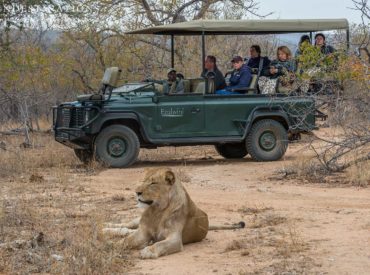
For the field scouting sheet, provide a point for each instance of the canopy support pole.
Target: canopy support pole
(347, 37)
(172, 51)
(203, 50)
(311, 37)
(204, 59)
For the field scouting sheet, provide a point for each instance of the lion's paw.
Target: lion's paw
(148, 253)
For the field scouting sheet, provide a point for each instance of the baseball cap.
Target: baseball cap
(171, 70)
(237, 58)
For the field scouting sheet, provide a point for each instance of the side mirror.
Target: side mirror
(111, 76)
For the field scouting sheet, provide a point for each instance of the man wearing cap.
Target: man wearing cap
(176, 84)
(173, 84)
(240, 77)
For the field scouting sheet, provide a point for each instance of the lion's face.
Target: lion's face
(155, 189)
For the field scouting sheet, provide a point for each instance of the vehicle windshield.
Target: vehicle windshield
(133, 87)
(130, 87)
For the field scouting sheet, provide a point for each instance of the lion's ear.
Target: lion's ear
(170, 177)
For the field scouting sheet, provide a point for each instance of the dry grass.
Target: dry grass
(277, 248)
(235, 245)
(269, 219)
(359, 174)
(280, 250)
(48, 223)
(51, 228)
(181, 155)
(307, 169)
(45, 154)
(119, 197)
(290, 243)
(253, 210)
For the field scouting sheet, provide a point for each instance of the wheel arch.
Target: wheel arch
(130, 120)
(267, 113)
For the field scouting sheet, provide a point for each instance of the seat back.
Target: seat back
(194, 84)
(253, 83)
(200, 88)
(211, 86)
(187, 86)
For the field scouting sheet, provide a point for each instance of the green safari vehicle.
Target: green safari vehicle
(113, 124)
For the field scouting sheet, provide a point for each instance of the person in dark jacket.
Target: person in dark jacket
(320, 42)
(304, 41)
(240, 77)
(210, 67)
(255, 58)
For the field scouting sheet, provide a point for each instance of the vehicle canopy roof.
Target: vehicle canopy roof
(243, 27)
(263, 26)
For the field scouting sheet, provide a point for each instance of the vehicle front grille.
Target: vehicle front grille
(70, 117)
(66, 117)
(77, 117)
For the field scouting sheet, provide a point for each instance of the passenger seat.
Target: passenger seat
(186, 86)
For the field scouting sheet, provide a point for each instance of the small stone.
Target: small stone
(58, 258)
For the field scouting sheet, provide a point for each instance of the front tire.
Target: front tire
(117, 146)
(267, 140)
(232, 150)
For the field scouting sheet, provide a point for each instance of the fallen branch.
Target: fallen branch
(10, 133)
(350, 163)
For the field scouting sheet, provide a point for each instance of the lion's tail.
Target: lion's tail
(227, 227)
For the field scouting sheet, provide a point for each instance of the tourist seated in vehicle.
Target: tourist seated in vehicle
(281, 69)
(211, 71)
(304, 41)
(256, 61)
(320, 42)
(173, 85)
(240, 78)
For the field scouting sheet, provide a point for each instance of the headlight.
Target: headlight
(87, 115)
(55, 116)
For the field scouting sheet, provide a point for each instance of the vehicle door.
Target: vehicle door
(227, 115)
(179, 116)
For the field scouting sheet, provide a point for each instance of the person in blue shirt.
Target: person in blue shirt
(240, 77)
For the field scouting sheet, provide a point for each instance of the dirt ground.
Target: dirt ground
(292, 226)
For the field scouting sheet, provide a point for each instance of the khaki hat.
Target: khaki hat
(171, 70)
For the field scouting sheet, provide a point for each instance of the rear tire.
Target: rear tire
(117, 146)
(232, 150)
(267, 140)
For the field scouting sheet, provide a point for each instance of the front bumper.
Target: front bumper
(74, 138)
(71, 125)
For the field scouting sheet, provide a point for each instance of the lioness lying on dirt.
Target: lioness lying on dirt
(170, 219)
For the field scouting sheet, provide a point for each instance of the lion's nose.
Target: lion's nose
(139, 193)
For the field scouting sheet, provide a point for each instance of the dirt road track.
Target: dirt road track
(291, 227)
